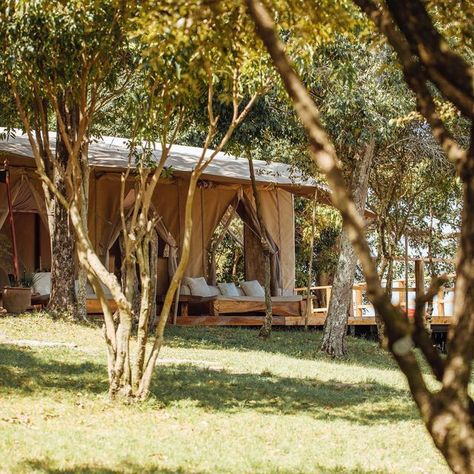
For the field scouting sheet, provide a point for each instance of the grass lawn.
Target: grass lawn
(223, 402)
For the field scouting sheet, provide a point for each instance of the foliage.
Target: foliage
(230, 258)
(76, 38)
(328, 226)
(414, 192)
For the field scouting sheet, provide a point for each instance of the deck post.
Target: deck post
(403, 296)
(358, 308)
(420, 280)
(441, 302)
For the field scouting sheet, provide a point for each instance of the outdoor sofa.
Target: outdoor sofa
(199, 298)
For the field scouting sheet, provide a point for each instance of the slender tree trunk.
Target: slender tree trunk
(235, 262)
(381, 336)
(63, 294)
(430, 305)
(266, 329)
(149, 364)
(82, 272)
(335, 326)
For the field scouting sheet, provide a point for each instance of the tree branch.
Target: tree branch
(325, 157)
(415, 78)
(448, 70)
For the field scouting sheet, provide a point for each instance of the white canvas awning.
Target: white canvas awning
(112, 154)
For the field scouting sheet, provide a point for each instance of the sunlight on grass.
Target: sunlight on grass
(223, 402)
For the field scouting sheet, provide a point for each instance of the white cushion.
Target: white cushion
(259, 299)
(198, 286)
(253, 299)
(184, 290)
(287, 299)
(228, 289)
(42, 283)
(214, 290)
(252, 288)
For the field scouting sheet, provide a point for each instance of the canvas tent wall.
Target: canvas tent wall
(211, 202)
(31, 221)
(225, 181)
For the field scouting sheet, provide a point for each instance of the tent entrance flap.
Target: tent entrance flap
(253, 253)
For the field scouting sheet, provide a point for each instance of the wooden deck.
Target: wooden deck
(362, 310)
(211, 314)
(257, 320)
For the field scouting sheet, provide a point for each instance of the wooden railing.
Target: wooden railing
(361, 307)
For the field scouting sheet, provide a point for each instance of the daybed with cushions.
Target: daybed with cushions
(42, 289)
(226, 298)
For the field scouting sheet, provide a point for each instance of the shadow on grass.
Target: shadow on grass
(25, 371)
(368, 403)
(289, 342)
(48, 467)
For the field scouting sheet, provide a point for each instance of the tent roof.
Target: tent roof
(111, 154)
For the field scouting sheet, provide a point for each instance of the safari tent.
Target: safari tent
(225, 187)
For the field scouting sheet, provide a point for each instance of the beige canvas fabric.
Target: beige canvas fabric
(278, 215)
(209, 207)
(246, 210)
(25, 197)
(229, 215)
(106, 211)
(211, 201)
(109, 225)
(169, 205)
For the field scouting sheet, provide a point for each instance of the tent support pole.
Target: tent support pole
(309, 301)
(16, 270)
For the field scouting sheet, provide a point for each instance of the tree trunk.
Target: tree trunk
(448, 412)
(335, 326)
(381, 335)
(82, 272)
(235, 262)
(63, 294)
(150, 363)
(266, 329)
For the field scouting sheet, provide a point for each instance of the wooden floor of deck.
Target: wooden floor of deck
(281, 321)
(318, 319)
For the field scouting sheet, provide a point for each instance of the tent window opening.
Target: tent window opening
(227, 249)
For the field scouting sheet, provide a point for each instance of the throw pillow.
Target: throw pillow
(253, 288)
(228, 289)
(197, 286)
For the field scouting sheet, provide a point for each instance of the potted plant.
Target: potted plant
(17, 296)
